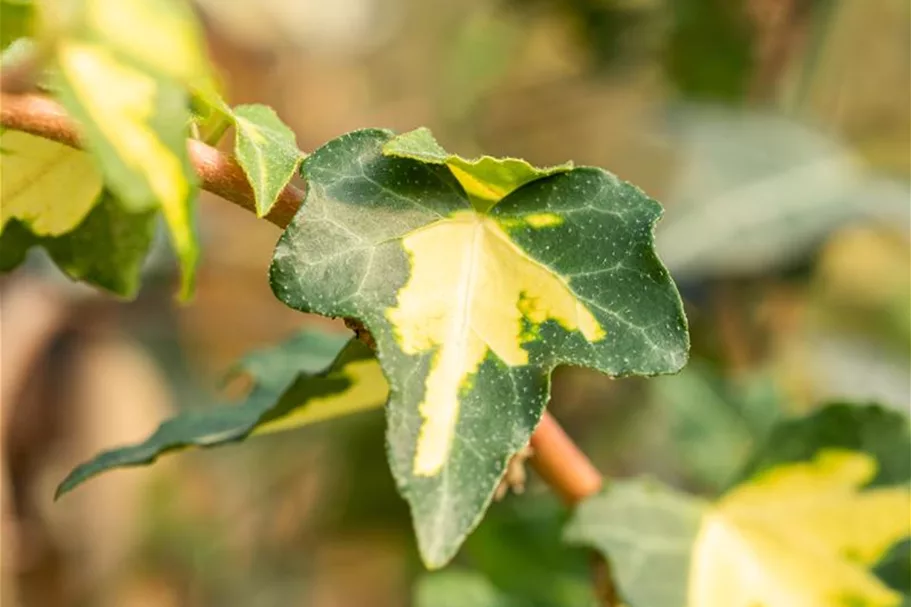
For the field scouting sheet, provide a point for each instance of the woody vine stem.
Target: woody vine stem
(555, 457)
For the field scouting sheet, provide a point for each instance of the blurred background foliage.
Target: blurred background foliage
(776, 132)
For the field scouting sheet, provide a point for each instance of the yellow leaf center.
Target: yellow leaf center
(470, 291)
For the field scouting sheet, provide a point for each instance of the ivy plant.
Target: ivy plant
(467, 280)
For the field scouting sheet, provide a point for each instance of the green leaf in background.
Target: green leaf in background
(486, 180)
(709, 54)
(715, 421)
(123, 72)
(312, 377)
(267, 151)
(15, 20)
(472, 310)
(458, 588)
(48, 186)
(647, 532)
(802, 532)
(758, 192)
(519, 547)
(485, 44)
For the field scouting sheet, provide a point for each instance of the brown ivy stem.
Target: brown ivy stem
(555, 457)
(560, 462)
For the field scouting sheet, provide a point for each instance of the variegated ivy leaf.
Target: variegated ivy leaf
(123, 70)
(806, 530)
(266, 149)
(312, 377)
(800, 534)
(473, 304)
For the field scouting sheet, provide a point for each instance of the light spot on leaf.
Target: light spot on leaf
(543, 220)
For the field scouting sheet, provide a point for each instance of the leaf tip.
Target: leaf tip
(67, 484)
(187, 290)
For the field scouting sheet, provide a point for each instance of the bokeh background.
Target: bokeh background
(776, 133)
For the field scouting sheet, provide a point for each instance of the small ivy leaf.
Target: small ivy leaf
(486, 180)
(266, 150)
(319, 378)
(123, 72)
(471, 311)
(798, 533)
(48, 186)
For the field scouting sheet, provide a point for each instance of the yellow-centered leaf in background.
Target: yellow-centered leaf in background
(802, 535)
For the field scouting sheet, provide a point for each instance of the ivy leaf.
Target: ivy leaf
(798, 533)
(123, 74)
(48, 186)
(318, 376)
(266, 150)
(471, 310)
